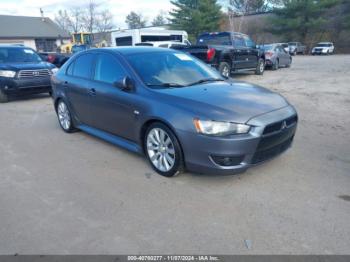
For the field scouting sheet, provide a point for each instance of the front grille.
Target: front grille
(275, 127)
(269, 153)
(34, 73)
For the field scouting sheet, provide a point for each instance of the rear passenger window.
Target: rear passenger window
(70, 69)
(83, 66)
(108, 69)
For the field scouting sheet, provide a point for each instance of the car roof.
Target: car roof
(131, 50)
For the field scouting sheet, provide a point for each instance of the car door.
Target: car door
(77, 90)
(240, 51)
(112, 108)
(253, 52)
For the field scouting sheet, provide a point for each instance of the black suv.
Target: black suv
(22, 71)
(228, 52)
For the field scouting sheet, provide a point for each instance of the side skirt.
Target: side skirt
(116, 140)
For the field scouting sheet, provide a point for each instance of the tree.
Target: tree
(248, 6)
(104, 21)
(160, 20)
(88, 18)
(298, 19)
(134, 20)
(196, 16)
(70, 21)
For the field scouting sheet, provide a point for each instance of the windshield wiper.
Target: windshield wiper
(170, 85)
(206, 80)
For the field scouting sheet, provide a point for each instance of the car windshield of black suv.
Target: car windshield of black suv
(18, 55)
(170, 70)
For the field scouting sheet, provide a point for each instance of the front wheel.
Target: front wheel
(260, 68)
(163, 150)
(3, 97)
(225, 69)
(64, 117)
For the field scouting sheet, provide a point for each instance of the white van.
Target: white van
(130, 37)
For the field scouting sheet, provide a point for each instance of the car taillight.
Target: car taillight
(210, 54)
(50, 58)
(269, 54)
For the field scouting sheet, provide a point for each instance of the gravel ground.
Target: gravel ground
(75, 194)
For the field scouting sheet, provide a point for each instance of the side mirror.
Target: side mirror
(127, 84)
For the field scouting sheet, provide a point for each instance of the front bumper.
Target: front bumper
(202, 152)
(14, 86)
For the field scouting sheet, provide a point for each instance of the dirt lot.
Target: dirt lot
(74, 194)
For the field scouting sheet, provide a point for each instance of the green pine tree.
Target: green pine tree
(196, 16)
(298, 19)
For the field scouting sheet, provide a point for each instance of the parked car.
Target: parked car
(296, 48)
(276, 56)
(173, 108)
(285, 46)
(22, 71)
(58, 59)
(323, 48)
(228, 52)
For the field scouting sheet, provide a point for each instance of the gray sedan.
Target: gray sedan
(173, 108)
(276, 56)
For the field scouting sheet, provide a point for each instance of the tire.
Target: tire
(276, 65)
(165, 159)
(3, 97)
(225, 69)
(64, 117)
(260, 68)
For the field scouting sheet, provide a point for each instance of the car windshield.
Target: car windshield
(323, 45)
(18, 55)
(171, 69)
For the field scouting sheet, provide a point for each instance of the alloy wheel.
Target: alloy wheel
(160, 149)
(226, 71)
(64, 116)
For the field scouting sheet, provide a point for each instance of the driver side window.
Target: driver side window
(108, 69)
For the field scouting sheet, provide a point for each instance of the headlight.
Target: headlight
(7, 73)
(54, 70)
(217, 128)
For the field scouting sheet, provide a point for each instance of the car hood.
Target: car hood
(222, 101)
(26, 66)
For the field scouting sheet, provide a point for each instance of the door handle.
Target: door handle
(92, 91)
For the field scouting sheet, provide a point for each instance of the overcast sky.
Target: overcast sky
(119, 8)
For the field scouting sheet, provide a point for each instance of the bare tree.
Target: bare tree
(104, 21)
(90, 15)
(75, 19)
(62, 19)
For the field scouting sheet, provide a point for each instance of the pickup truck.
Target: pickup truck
(296, 48)
(58, 59)
(228, 52)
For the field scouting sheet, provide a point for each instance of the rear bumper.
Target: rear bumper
(202, 152)
(25, 86)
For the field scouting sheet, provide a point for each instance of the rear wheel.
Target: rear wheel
(260, 68)
(163, 150)
(3, 97)
(225, 69)
(65, 117)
